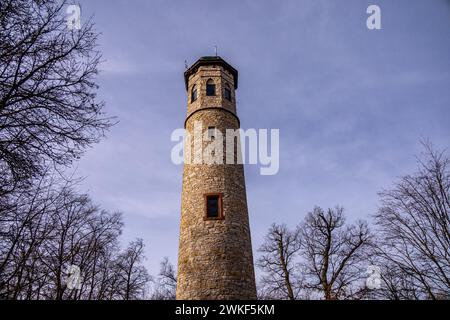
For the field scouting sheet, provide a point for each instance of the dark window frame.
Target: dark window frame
(211, 132)
(220, 215)
(194, 93)
(210, 88)
(227, 92)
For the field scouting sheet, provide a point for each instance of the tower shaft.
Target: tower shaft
(215, 254)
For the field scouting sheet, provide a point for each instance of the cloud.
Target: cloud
(351, 104)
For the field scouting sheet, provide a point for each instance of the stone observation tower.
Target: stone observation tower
(215, 254)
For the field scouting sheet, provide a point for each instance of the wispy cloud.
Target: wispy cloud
(351, 104)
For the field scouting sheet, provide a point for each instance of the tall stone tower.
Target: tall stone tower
(215, 254)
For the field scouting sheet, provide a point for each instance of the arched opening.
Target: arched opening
(194, 93)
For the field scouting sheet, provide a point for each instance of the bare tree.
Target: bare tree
(333, 253)
(394, 283)
(24, 227)
(166, 283)
(52, 228)
(49, 114)
(133, 277)
(281, 279)
(48, 107)
(413, 224)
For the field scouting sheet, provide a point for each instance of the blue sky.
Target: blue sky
(351, 103)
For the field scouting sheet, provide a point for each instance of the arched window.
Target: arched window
(194, 93)
(227, 92)
(210, 88)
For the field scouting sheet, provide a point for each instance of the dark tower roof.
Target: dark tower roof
(211, 60)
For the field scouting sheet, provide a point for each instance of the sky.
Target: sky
(351, 104)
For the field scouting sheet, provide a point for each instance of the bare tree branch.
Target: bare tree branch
(414, 224)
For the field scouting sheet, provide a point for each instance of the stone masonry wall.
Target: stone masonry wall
(215, 256)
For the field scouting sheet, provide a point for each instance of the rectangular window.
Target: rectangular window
(194, 95)
(211, 133)
(228, 94)
(213, 206)
(210, 89)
